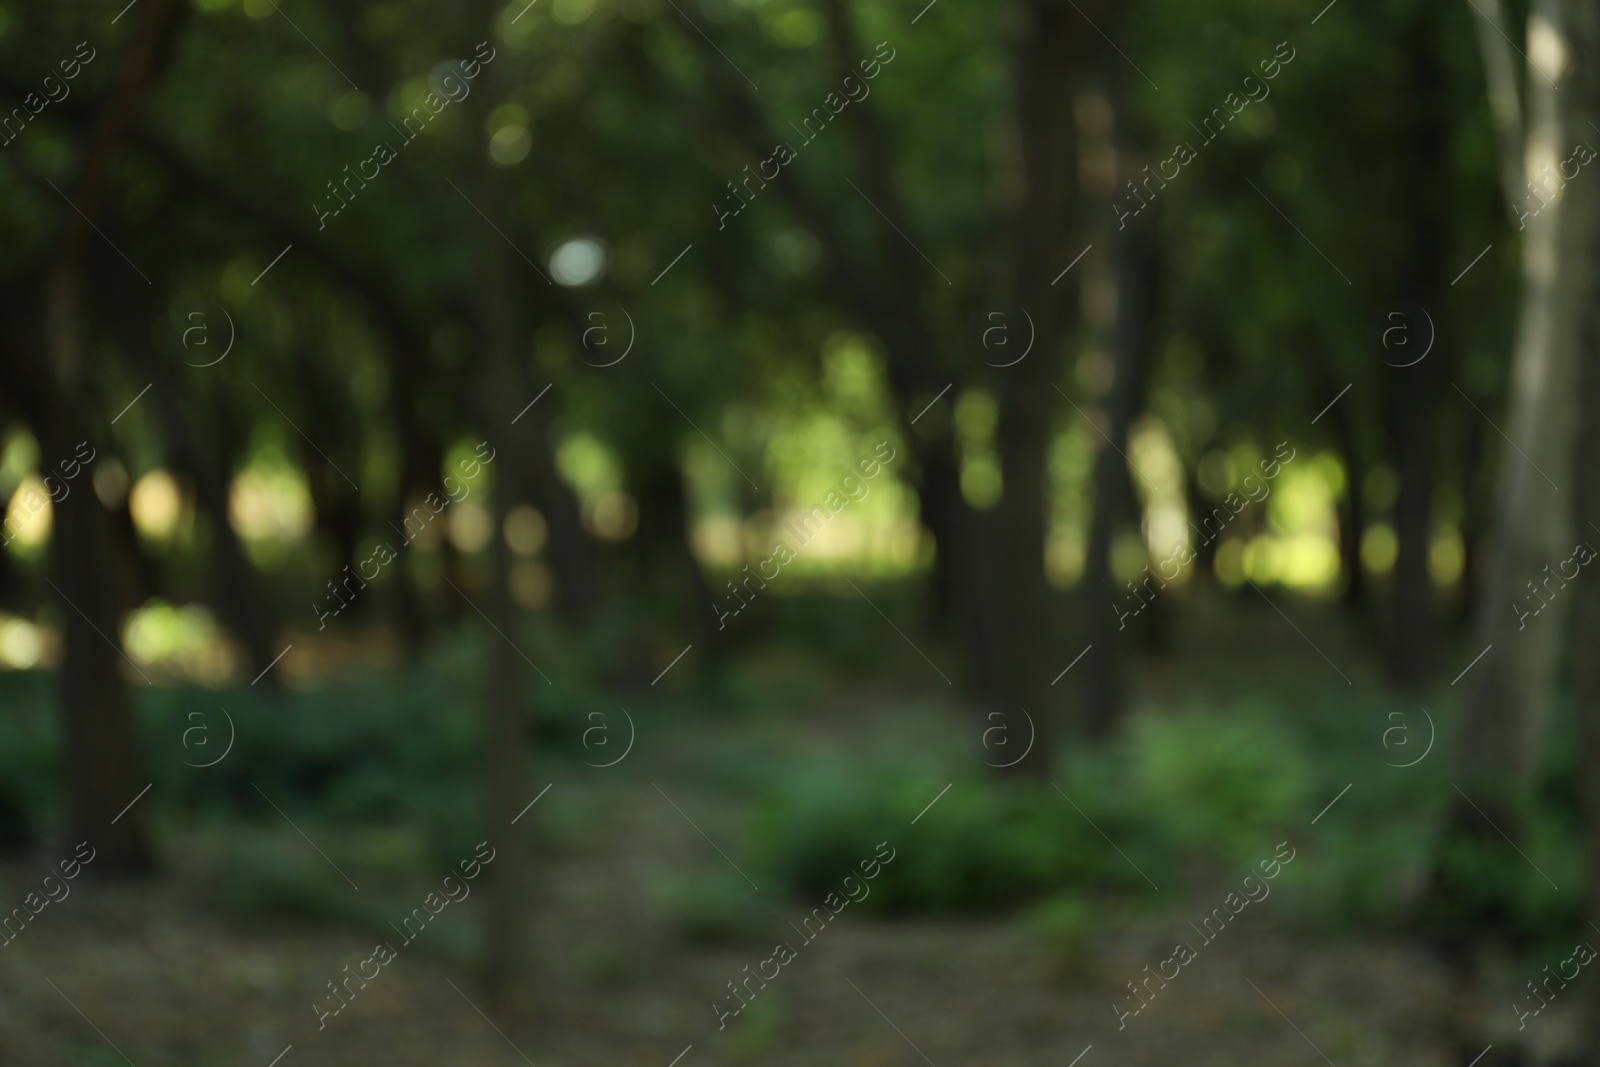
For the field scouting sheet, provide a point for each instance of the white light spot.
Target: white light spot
(579, 261)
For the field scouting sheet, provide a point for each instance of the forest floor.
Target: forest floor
(152, 974)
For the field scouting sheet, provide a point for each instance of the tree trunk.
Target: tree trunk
(572, 553)
(1044, 228)
(1585, 663)
(507, 967)
(1352, 513)
(1413, 633)
(1116, 504)
(101, 747)
(1507, 691)
(667, 562)
(1584, 29)
(1131, 263)
(101, 744)
(421, 460)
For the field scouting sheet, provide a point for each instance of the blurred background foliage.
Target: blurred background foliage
(686, 394)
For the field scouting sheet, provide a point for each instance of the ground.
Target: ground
(156, 974)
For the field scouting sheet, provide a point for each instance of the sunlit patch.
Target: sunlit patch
(1547, 47)
(613, 516)
(20, 455)
(1230, 562)
(1447, 556)
(530, 585)
(22, 644)
(1306, 561)
(185, 639)
(510, 145)
(1158, 479)
(1168, 529)
(797, 27)
(976, 416)
(28, 515)
(717, 541)
(1379, 548)
(470, 526)
(111, 482)
(156, 504)
(595, 473)
(578, 261)
(1129, 557)
(270, 504)
(525, 530)
(571, 12)
(1063, 555)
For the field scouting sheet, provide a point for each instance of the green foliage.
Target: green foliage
(27, 757)
(1219, 782)
(1486, 887)
(713, 908)
(984, 844)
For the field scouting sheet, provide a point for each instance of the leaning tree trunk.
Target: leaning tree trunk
(1507, 691)
(1584, 30)
(1585, 664)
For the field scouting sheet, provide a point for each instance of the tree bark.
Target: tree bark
(507, 966)
(1507, 692)
(1044, 229)
(101, 744)
(1352, 513)
(1585, 663)
(1413, 634)
(1584, 29)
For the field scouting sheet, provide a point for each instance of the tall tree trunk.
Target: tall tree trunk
(1584, 31)
(421, 459)
(1118, 153)
(1044, 227)
(1413, 632)
(507, 967)
(1116, 504)
(101, 745)
(1352, 512)
(101, 751)
(1507, 691)
(1475, 518)
(1585, 663)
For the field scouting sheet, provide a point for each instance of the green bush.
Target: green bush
(28, 757)
(985, 844)
(1217, 787)
(1222, 783)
